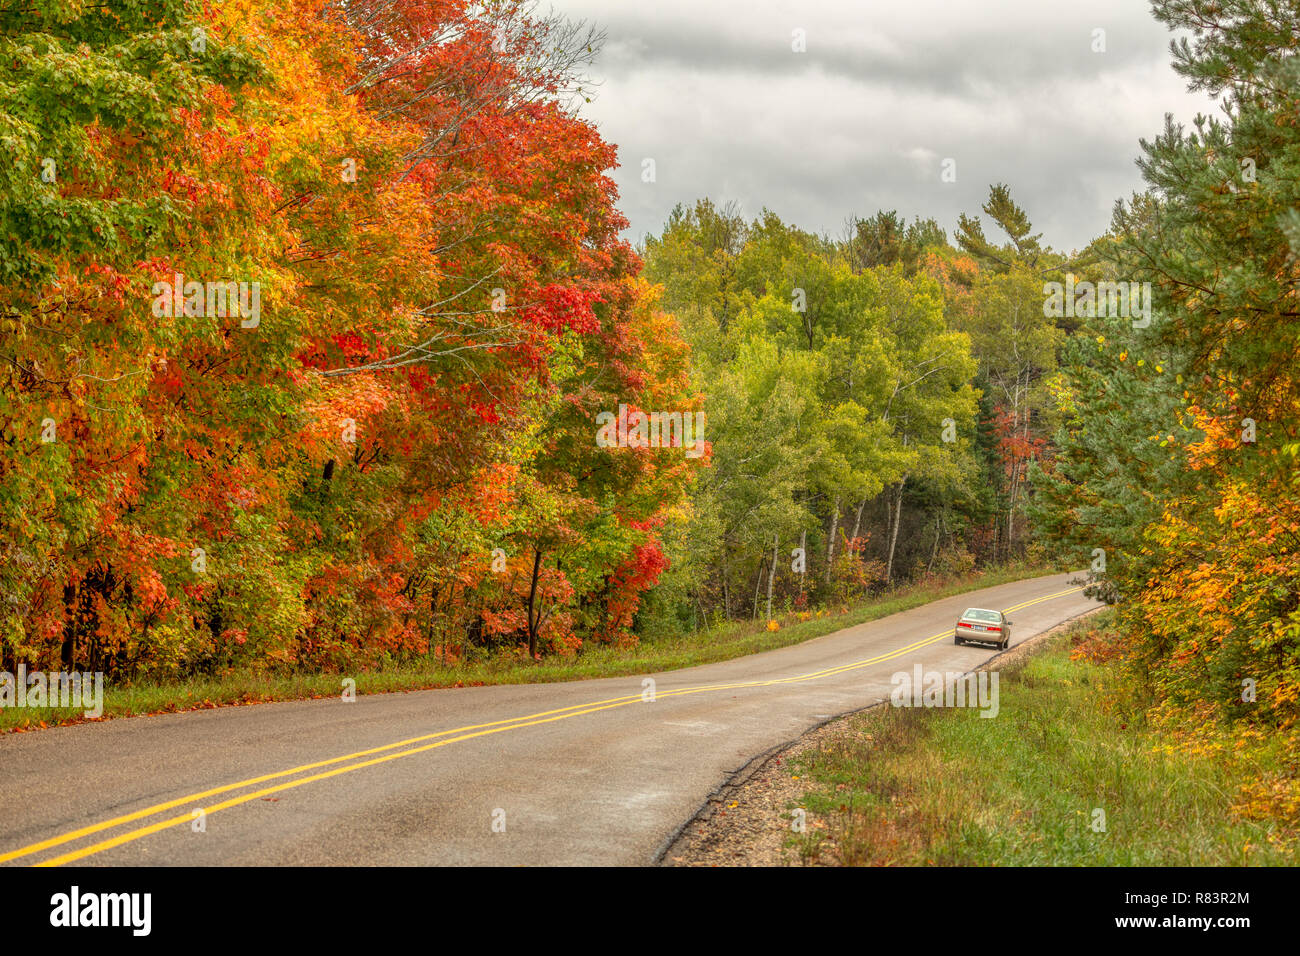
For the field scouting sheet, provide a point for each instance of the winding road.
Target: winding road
(577, 773)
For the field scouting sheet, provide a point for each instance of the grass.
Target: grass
(947, 787)
(733, 639)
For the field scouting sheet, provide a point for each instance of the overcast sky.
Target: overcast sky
(1009, 89)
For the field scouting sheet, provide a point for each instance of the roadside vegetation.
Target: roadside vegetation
(1077, 737)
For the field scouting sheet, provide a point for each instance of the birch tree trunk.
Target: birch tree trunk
(893, 533)
(830, 545)
(771, 574)
(803, 550)
(857, 522)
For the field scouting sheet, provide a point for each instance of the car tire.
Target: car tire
(957, 640)
(1006, 642)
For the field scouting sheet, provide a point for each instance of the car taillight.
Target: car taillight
(990, 627)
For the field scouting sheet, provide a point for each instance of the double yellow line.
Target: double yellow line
(441, 739)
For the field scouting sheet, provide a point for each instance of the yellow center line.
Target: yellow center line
(464, 733)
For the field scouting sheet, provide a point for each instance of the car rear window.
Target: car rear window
(976, 614)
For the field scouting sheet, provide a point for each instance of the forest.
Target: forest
(312, 313)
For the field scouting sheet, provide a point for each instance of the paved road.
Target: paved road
(585, 772)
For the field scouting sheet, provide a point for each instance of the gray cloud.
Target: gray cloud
(1011, 90)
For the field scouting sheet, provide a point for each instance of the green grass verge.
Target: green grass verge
(948, 787)
(733, 639)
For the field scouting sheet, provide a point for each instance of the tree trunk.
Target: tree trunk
(893, 533)
(803, 550)
(771, 573)
(726, 590)
(830, 545)
(934, 550)
(532, 600)
(857, 522)
(1011, 509)
(68, 651)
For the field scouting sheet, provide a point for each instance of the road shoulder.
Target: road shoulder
(747, 820)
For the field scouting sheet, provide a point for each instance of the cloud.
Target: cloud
(1013, 91)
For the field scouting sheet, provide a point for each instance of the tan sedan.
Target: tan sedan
(989, 627)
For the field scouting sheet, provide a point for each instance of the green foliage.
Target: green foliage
(1177, 456)
(826, 385)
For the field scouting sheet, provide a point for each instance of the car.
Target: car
(979, 624)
